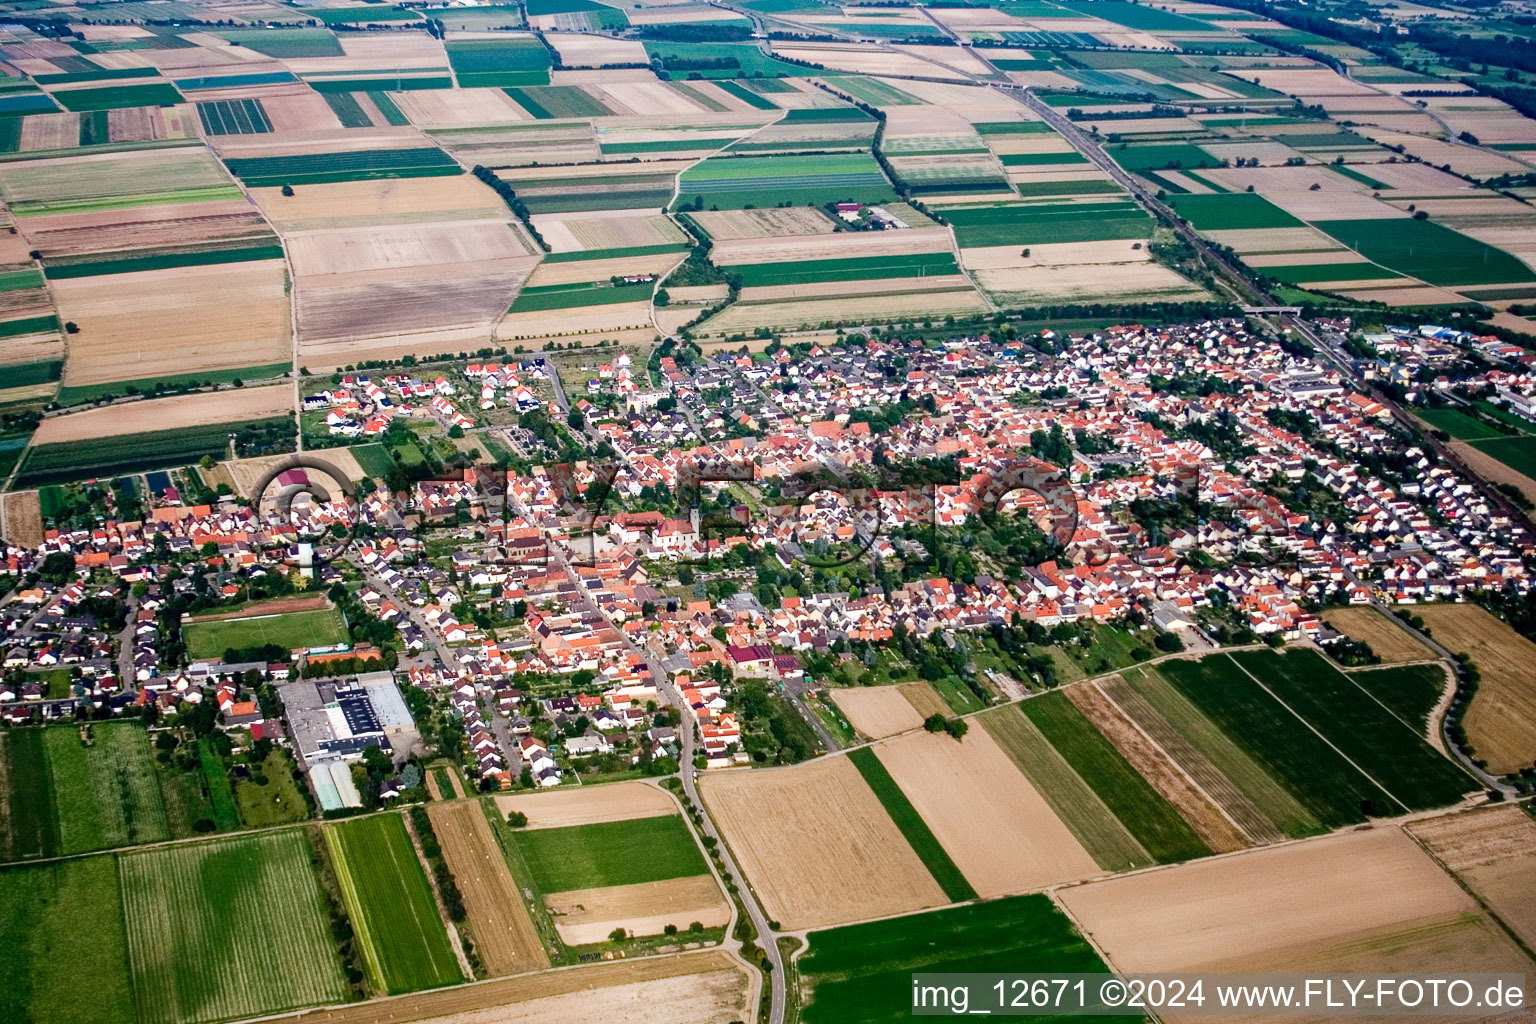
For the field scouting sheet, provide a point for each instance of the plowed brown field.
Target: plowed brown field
(503, 931)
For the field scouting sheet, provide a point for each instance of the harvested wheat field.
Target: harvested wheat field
(21, 519)
(1501, 720)
(168, 414)
(729, 225)
(994, 825)
(686, 988)
(1493, 851)
(385, 247)
(1152, 763)
(613, 320)
(1353, 902)
(160, 322)
(382, 201)
(588, 805)
(922, 697)
(850, 245)
(877, 711)
(504, 934)
(584, 916)
(816, 844)
(1393, 644)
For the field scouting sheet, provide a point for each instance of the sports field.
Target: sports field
(227, 928)
(319, 627)
(861, 974)
(403, 940)
(610, 853)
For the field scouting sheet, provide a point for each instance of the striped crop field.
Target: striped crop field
(228, 928)
(771, 180)
(401, 936)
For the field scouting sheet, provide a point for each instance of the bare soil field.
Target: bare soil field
(385, 201)
(168, 414)
(688, 988)
(456, 108)
(174, 321)
(577, 50)
(49, 131)
(1488, 467)
(384, 247)
(504, 934)
(862, 59)
(1393, 644)
(1403, 296)
(1494, 852)
(1123, 282)
(71, 234)
(1246, 240)
(588, 805)
(851, 245)
(1501, 720)
(730, 225)
(994, 825)
(396, 303)
(1355, 901)
(584, 916)
(816, 844)
(22, 518)
(877, 711)
(833, 289)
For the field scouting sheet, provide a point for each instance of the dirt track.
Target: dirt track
(504, 934)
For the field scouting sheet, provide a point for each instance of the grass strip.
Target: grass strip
(912, 825)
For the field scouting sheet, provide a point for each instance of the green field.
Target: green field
(499, 62)
(91, 392)
(1161, 156)
(557, 101)
(1332, 790)
(875, 92)
(277, 802)
(1518, 453)
(163, 261)
(1409, 691)
(740, 60)
(126, 453)
(1268, 795)
(862, 974)
(1141, 809)
(610, 853)
(1134, 15)
(572, 296)
(234, 117)
(113, 97)
(105, 794)
(1428, 251)
(355, 165)
(1110, 844)
(1385, 748)
(287, 42)
(1037, 223)
(1327, 273)
(389, 899)
(912, 825)
(399, 82)
(228, 928)
(347, 110)
(747, 96)
(755, 275)
(1226, 211)
(319, 627)
(16, 280)
(31, 823)
(738, 182)
(65, 962)
(1460, 425)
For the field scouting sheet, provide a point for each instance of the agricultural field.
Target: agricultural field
(1501, 719)
(816, 844)
(66, 797)
(1411, 692)
(1024, 224)
(924, 843)
(879, 711)
(228, 928)
(605, 854)
(1356, 901)
(73, 460)
(402, 937)
(499, 63)
(504, 935)
(60, 923)
(736, 182)
(1492, 851)
(349, 165)
(1392, 644)
(862, 972)
(253, 628)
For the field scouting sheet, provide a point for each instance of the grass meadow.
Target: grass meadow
(318, 627)
(610, 853)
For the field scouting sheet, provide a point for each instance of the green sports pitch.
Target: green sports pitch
(319, 627)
